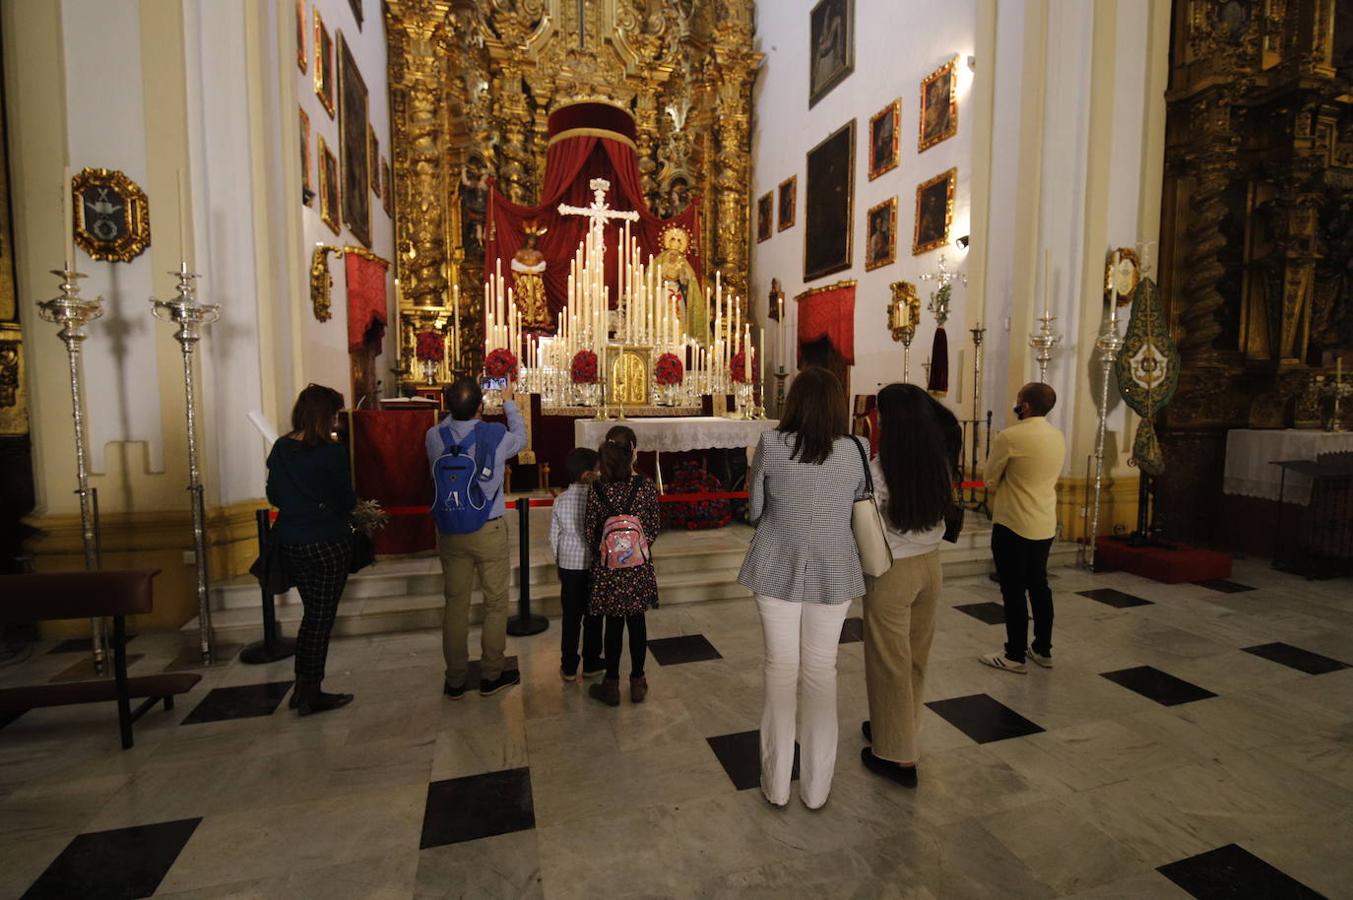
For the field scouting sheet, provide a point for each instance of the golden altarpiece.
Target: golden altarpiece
(472, 85)
(1257, 228)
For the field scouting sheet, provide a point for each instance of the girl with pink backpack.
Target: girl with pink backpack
(622, 519)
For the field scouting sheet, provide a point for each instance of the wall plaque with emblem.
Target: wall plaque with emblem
(112, 216)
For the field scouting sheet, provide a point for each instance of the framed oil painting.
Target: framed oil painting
(934, 211)
(883, 145)
(357, 12)
(353, 149)
(112, 215)
(880, 246)
(324, 65)
(829, 204)
(373, 159)
(831, 45)
(765, 214)
(939, 106)
(328, 183)
(789, 198)
(307, 186)
(301, 53)
(387, 189)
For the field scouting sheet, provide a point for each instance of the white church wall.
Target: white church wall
(896, 45)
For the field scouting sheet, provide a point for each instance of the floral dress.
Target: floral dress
(622, 592)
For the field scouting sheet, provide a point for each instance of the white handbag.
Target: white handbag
(866, 521)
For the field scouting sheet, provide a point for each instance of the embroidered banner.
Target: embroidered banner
(366, 300)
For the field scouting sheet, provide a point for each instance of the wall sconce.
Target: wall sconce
(962, 242)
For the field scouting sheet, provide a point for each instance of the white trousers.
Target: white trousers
(801, 643)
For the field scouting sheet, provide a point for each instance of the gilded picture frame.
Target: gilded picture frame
(939, 106)
(307, 186)
(302, 52)
(831, 47)
(112, 215)
(788, 198)
(324, 64)
(829, 204)
(884, 129)
(328, 184)
(934, 212)
(880, 244)
(353, 149)
(765, 213)
(373, 159)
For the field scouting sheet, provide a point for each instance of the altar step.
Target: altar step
(405, 594)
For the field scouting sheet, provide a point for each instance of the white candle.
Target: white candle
(455, 299)
(67, 220)
(1113, 297)
(183, 223)
(1047, 282)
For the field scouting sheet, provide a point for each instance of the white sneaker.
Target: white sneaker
(1040, 659)
(998, 661)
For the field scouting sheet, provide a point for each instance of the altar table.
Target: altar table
(1250, 454)
(669, 434)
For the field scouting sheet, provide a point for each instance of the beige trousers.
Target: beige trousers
(899, 624)
(485, 552)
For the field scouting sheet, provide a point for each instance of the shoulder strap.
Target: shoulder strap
(634, 492)
(449, 444)
(868, 476)
(603, 499)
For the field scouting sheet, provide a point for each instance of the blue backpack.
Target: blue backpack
(461, 506)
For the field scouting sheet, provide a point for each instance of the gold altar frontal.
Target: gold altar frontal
(628, 371)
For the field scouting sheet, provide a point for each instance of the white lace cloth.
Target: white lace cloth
(1250, 455)
(677, 434)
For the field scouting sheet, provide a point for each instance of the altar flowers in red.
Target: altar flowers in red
(431, 347)
(669, 371)
(583, 369)
(501, 363)
(739, 367)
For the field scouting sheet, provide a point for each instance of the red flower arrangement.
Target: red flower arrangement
(669, 370)
(583, 369)
(501, 363)
(739, 367)
(431, 347)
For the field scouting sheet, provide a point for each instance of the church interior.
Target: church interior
(657, 214)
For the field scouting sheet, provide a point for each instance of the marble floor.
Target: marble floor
(1193, 740)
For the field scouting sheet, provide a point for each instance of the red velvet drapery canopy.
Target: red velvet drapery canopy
(829, 313)
(587, 140)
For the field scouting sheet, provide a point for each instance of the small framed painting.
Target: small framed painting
(324, 65)
(373, 159)
(934, 211)
(939, 106)
(829, 204)
(883, 144)
(387, 189)
(765, 214)
(881, 235)
(357, 12)
(832, 44)
(789, 198)
(307, 186)
(301, 54)
(328, 184)
(112, 215)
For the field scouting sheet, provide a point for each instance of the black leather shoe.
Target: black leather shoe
(896, 772)
(455, 693)
(319, 701)
(505, 680)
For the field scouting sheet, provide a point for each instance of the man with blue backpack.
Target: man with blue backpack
(467, 457)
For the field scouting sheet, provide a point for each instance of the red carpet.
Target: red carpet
(1171, 566)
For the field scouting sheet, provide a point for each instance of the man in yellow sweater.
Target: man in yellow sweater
(1025, 463)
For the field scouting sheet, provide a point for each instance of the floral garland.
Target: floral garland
(739, 367)
(583, 369)
(501, 363)
(669, 370)
(431, 347)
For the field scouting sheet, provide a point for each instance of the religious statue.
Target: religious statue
(528, 283)
(474, 195)
(680, 287)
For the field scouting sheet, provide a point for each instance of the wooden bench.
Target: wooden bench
(86, 595)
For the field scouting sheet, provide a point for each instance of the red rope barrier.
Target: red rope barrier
(535, 502)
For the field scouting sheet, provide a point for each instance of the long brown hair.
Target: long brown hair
(617, 460)
(312, 418)
(914, 458)
(815, 413)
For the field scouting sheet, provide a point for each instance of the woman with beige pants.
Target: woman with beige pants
(912, 481)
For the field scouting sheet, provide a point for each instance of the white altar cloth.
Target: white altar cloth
(1250, 454)
(678, 434)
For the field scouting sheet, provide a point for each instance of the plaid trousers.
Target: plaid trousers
(320, 572)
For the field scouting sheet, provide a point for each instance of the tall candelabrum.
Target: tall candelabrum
(73, 312)
(190, 316)
(1044, 342)
(1108, 345)
(978, 333)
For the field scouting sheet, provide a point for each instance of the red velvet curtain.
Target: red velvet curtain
(569, 165)
(830, 314)
(366, 301)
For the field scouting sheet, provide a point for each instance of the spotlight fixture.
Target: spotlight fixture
(962, 242)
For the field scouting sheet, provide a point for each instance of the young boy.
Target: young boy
(573, 553)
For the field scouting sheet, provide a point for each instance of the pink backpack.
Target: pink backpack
(623, 544)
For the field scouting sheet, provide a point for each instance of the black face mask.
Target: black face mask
(1019, 414)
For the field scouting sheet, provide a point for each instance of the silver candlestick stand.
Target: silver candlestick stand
(1109, 343)
(189, 315)
(1044, 343)
(977, 334)
(73, 312)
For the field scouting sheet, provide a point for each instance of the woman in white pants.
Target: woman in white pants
(804, 568)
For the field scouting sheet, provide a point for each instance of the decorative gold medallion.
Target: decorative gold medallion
(112, 216)
(1125, 276)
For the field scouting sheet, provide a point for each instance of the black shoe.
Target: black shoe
(455, 693)
(321, 702)
(506, 680)
(868, 731)
(594, 671)
(903, 775)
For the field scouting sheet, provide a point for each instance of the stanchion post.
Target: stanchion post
(523, 623)
(273, 646)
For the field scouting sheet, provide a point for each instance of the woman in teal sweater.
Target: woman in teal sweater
(310, 483)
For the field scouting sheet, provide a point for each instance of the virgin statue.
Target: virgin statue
(680, 286)
(528, 283)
